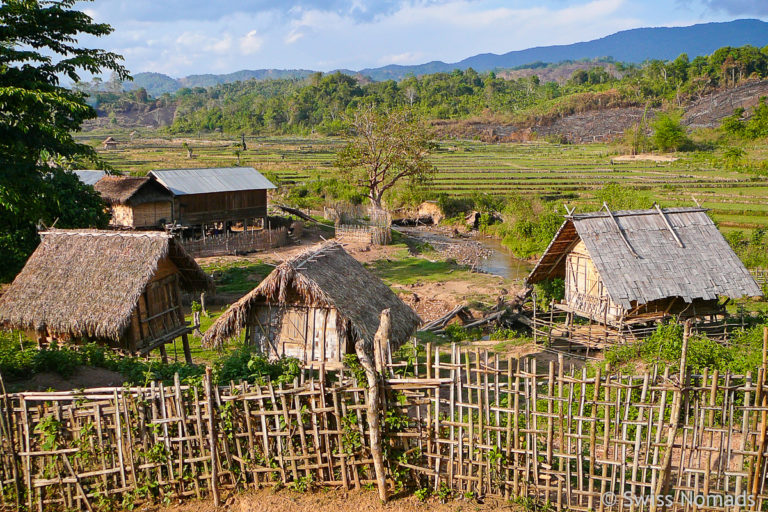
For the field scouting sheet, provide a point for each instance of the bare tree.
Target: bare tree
(385, 148)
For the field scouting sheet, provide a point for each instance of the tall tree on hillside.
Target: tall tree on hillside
(38, 49)
(386, 148)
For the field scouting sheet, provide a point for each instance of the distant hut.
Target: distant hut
(115, 288)
(219, 195)
(109, 143)
(638, 266)
(89, 177)
(135, 202)
(315, 307)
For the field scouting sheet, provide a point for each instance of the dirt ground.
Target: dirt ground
(648, 157)
(268, 500)
(430, 300)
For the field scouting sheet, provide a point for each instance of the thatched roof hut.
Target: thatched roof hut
(329, 301)
(116, 287)
(135, 202)
(640, 265)
(109, 143)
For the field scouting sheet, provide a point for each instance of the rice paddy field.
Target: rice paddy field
(567, 173)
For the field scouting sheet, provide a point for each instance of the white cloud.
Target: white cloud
(293, 36)
(402, 58)
(251, 43)
(355, 34)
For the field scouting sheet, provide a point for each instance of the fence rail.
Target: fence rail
(465, 422)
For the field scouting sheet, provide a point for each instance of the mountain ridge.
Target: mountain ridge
(630, 46)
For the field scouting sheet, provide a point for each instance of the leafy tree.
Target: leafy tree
(668, 133)
(37, 48)
(386, 148)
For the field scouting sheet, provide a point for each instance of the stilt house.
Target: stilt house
(637, 266)
(135, 202)
(116, 288)
(315, 307)
(220, 195)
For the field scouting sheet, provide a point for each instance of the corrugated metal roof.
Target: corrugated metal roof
(89, 177)
(703, 268)
(204, 181)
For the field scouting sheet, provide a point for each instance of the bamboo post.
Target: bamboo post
(662, 486)
(212, 437)
(756, 479)
(374, 424)
(380, 340)
(10, 431)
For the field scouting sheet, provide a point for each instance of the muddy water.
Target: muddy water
(500, 260)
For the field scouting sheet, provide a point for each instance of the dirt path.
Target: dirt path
(268, 500)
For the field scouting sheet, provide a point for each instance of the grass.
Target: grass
(568, 173)
(237, 276)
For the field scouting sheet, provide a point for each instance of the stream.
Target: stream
(495, 258)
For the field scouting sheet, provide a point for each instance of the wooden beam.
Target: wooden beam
(669, 226)
(621, 232)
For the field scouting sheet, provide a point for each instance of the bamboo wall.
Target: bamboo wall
(467, 422)
(363, 234)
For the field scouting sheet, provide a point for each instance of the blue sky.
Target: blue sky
(182, 37)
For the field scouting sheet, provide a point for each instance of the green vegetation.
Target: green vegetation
(20, 359)
(318, 103)
(238, 276)
(755, 127)
(386, 150)
(38, 48)
(753, 249)
(664, 346)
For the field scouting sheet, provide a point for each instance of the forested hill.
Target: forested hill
(630, 46)
(319, 102)
(633, 46)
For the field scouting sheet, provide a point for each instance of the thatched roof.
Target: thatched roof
(87, 282)
(109, 140)
(705, 267)
(325, 276)
(130, 190)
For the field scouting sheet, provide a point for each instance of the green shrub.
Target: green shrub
(668, 132)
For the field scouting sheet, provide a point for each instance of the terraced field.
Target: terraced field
(568, 173)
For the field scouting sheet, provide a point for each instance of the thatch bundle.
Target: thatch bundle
(86, 283)
(132, 190)
(323, 276)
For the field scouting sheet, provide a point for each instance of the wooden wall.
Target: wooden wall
(584, 290)
(585, 294)
(306, 333)
(195, 209)
(158, 311)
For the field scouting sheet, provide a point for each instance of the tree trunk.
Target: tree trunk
(365, 355)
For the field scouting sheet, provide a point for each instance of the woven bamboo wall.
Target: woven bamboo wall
(468, 422)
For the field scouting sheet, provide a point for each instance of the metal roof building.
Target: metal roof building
(89, 177)
(205, 181)
(211, 196)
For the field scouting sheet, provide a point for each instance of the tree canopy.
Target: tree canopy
(386, 148)
(37, 50)
(318, 102)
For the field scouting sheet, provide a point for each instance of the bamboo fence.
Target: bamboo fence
(236, 243)
(464, 422)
